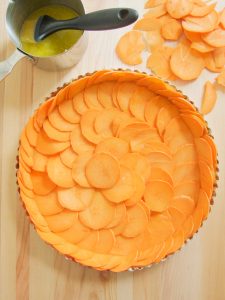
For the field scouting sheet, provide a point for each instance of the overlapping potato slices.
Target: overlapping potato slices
(197, 32)
(117, 170)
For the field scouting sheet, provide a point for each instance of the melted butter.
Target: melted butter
(54, 44)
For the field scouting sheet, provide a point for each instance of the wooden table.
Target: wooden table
(32, 270)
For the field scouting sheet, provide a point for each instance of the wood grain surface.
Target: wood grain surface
(29, 269)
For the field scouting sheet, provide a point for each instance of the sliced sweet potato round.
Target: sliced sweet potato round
(105, 93)
(42, 185)
(75, 233)
(68, 112)
(152, 109)
(139, 191)
(123, 189)
(103, 122)
(119, 215)
(221, 81)
(155, 12)
(124, 94)
(160, 228)
(202, 47)
(130, 47)
(185, 171)
(25, 177)
(204, 151)
(91, 97)
(179, 8)
(153, 39)
(183, 204)
(79, 104)
(106, 241)
(76, 198)
(186, 63)
(31, 132)
(39, 162)
(206, 178)
(201, 9)
(172, 30)
(195, 124)
(215, 38)
(59, 122)
(204, 202)
(67, 157)
(78, 142)
(47, 146)
(211, 62)
(185, 153)
(158, 194)
(154, 3)
(55, 134)
(59, 173)
(78, 169)
(87, 126)
(98, 214)
(222, 18)
(188, 188)
(147, 24)
(201, 24)
(113, 146)
(137, 221)
(49, 206)
(102, 171)
(61, 221)
(25, 144)
(160, 174)
(142, 139)
(165, 115)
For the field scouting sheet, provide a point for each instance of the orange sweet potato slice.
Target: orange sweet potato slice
(206, 178)
(179, 8)
(39, 161)
(204, 202)
(129, 129)
(183, 204)
(49, 206)
(113, 146)
(149, 255)
(61, 221)
(119, 215)
(178, 241)
(79, 104)
(185, 153)
(204, 151)
(147, 24)
(153, 146)
(158, 195)
(219, 56)
(140, 141)
(160, 227)
(91, 97)
(124, 94)
(106, 241)
(25, 166)
(59, 122)
(137, 221)
(78, 141)
(186, 63)
(78, 169)
(201, 9)
(55, 134)
(75, 198)
(154, 3)
(118, 229)
(221, 81)
(196, 125)
(68, 113)
(137, 163)
(31, 132)
(124, 246)
(188, 188)
(105, 94)
(28, 160)
(165, 115)
(46, 146)
(67, 157)
(152, 109)
(185, 171)
(102, 171)
(211, 62)
(98, 214)
(138, 102)
(130, 47)
(75, 233)
(87, 126)
(222, 19)
(25, 177)
(160, 174)
(159, 62)
(42, 185)
(201, 24)
(123, 189)
(209, 98)
(59, 173)
(211, 142)
(201, 47)
(103, 122)
(24, 189)
(26, 145)
(192, 36)
(42, 112)
(155, 12)
(172, 30)
(153, 39)
(188, 226)
(177, 217)
(215, 38)
(139, 191)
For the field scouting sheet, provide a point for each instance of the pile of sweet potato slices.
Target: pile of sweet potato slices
(197, 31)
(117, 170)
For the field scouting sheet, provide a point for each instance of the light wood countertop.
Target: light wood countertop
(29, 269)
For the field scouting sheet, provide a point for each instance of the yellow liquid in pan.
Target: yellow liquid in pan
(54, 44)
